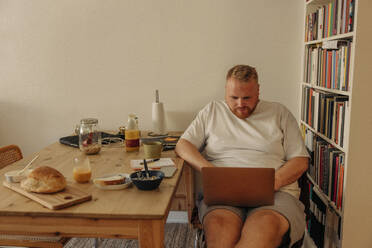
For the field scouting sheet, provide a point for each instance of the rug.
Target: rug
(177, 235)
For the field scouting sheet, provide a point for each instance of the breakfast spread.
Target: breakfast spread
(141, 177)
(91, 149)
(110, 180)
(44, 179)
(113, 181)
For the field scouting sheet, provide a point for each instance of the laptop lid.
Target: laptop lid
(248, 187)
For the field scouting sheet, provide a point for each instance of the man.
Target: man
(246, 131)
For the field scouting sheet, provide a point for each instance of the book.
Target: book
(343, 17)
(316, 110)
(351, 16)
(348, 55)
(339, 16)
(314, 65)
(341, 184)
(320, 23)
(345, 109)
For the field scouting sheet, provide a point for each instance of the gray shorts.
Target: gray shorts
(284, 203)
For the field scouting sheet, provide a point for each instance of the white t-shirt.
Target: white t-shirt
(267, 138)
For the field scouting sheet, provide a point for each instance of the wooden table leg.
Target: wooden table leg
(151, 234)
(190, 201)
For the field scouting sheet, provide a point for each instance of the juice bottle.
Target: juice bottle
(132, 135)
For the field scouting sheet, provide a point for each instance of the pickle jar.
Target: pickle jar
(89, 136)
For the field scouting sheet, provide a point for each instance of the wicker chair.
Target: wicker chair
(8, 155)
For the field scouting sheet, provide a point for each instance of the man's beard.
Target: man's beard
(243, 112)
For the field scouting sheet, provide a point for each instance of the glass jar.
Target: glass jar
(82, 171)
(89, 136)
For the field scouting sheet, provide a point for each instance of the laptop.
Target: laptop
(245, 187)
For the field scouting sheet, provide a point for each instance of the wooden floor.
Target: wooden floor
(177, 235)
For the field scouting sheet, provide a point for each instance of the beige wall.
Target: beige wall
(61, 61)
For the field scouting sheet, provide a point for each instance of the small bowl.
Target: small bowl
(147, 184)
(14, 177)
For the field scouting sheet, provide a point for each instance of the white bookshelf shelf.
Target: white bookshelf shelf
(317, 2)
(323, 137)
(349, 35)
(340, 92)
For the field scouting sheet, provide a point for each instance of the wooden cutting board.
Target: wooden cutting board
(68, 197)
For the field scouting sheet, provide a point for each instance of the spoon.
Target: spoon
(28, 165)
(146, 168)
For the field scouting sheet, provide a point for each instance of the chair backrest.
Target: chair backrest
(9, 154)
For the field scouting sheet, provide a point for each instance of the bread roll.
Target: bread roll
(44, 179)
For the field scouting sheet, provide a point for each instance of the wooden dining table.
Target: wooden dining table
(128, 213)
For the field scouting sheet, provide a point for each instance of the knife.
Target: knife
(150, 161)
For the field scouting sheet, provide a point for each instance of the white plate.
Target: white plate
(127, 183)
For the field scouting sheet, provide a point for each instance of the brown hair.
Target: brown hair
(243, 73)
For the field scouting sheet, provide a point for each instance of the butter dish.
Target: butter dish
(15, 176)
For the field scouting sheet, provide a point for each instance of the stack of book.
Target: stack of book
(336, 17)
(324, 223)
(328, 65)
(326, 113)
(326, 168)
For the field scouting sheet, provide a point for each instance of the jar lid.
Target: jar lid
(89, 121)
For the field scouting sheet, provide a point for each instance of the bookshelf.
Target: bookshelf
(336, 120)
(335, 37)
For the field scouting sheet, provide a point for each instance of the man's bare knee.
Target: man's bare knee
(271, 219)
(264, 228)
(222, 228)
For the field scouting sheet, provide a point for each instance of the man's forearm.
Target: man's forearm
(191, 155)
(290, 172)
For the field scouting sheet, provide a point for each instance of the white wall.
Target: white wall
(61, 61)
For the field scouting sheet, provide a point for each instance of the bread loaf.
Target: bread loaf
(44, 179)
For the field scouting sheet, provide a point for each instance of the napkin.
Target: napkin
(163, 162)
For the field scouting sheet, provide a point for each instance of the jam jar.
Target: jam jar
(90, 141)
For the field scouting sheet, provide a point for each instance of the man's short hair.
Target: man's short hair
(243, 73)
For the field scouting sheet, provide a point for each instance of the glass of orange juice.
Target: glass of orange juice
(82, 171)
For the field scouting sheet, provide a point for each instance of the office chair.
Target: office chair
(8, 155)
(200, 241)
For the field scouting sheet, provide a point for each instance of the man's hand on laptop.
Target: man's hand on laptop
(290, 172)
